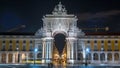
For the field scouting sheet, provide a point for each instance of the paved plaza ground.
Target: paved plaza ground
(58, 66)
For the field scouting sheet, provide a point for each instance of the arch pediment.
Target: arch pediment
(59, 23)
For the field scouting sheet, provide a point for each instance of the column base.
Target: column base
(43, 61)
(71, 61)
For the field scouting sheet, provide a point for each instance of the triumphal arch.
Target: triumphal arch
(59, 22)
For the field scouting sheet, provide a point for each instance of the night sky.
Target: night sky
(90, 13)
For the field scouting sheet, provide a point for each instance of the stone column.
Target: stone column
(99, 57)
(71, 53)
(35, 56)
(84, 50)
(50, 51)
(0, 57)
(91, 57)
(27, 57)
(76, 48)
(113, 57)
(7, 57)
(43, 52)
(119, 58)
(47, 50)
(68, 50)
(13, 58)
(105, 57)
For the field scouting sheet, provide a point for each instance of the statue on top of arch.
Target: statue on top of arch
(59, 9)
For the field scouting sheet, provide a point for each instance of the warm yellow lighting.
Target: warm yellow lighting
(23, 56)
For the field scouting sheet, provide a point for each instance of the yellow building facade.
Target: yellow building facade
(20, 49)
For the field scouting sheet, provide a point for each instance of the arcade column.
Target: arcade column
(71, 49)
(47, 51)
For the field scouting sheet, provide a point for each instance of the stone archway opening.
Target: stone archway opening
(10, 58)
(59, 40)
(3, 59)
(60, 48)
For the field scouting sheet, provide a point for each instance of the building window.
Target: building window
(116, 41)
(24, 48)
(95, 56)
(39, 55)
(109, 41)
(88, 41)
(3, 47)
(24, 41)
(102, 47)
(80, 56)
(17, 41)
(31, 47)
(39, 47)
(109, 48)
(102, 57)
(10, 41)
(95, 48)
(31, 41)
(3, 41)
(116, 48)
(79, 48)
(10, 47)
(95, 41)
(31, 55)
(109, 58)
(17, 46)
(102, 41)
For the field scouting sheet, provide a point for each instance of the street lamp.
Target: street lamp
(87, 51)
(35, 50)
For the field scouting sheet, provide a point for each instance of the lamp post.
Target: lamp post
(35, 50)
(86, 52)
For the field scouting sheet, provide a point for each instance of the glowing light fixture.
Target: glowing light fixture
(36, 50)
(87, 49)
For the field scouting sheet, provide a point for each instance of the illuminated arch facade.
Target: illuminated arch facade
(79, 47)
(59, 22)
